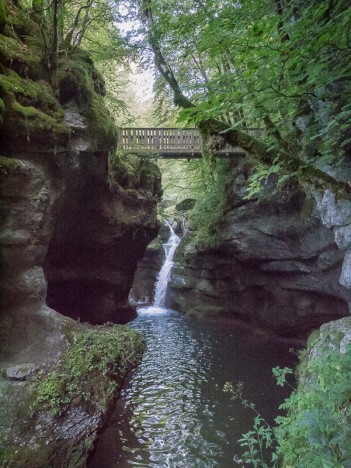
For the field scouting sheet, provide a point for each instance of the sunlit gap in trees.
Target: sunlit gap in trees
(139, 94)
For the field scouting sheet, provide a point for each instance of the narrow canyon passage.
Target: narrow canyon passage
(173, 411)
(230, 120)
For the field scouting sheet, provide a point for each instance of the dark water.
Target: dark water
(173, 411)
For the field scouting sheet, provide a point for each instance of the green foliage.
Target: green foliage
(66, 25)
(181, 179)
(316, 431)
(280, 375)
(279, 65)
(260, 438)
(210, 204)
(3, 14)
(255, 441)
(132, 172)
(87, 374)
(186, 204)
(30, 109)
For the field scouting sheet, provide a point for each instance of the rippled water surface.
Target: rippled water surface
(173, 411)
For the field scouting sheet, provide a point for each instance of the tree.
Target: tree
(282, 65)
(66, 25)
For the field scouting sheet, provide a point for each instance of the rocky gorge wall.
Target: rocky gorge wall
(75, 219)
(275, 262)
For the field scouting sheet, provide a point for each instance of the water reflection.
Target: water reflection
(173, 411)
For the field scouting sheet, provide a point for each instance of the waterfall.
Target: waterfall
(165, 272)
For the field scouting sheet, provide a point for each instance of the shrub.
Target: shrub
(89, 371)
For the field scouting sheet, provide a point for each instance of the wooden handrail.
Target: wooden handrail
(166, 140)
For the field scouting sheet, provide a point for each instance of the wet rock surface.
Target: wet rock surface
(72, 232)
(272, 263)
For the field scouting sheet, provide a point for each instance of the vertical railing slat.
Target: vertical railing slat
(169, 140)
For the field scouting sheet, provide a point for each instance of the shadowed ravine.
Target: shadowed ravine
(173, 411)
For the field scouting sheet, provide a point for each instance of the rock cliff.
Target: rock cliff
(75, 218)
(272, 262)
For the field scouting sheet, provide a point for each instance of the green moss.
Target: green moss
(8, 163)
(208, 209)
(29, 92)
(20, 22)
(84, 381)
(38, 123)
(88, 372)
(186, 204)
(120, 169)
(73, 80)
(19, 57)
(101, 124)
(76, 77)
(30, 110)
(131, 172)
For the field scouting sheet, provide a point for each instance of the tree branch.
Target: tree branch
(235, 137)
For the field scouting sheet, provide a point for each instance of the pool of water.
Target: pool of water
(173, 411)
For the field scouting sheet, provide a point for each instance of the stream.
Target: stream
(173, 411)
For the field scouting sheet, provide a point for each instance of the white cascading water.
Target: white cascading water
(165, 272)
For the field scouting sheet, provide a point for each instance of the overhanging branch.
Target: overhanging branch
(259, 150)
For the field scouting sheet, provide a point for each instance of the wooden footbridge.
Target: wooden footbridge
(171, 143)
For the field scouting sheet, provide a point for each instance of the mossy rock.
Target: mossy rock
(122, 170)
(155, 245)
(20, 21)
(73, 81)
(9, 164)
(21, 58)
(186, 204)
(76, 78)
(102, 127)
(84, 56)
(87, 374)
(30, 110)
(58, 416)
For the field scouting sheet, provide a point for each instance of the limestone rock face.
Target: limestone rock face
(27, 198)
(101, 230)
(74, 219)
(271, 263)
(337, 215)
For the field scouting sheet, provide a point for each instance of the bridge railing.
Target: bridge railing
(160, 139)
(167, 140)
